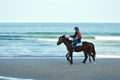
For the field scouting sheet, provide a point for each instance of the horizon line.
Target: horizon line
(58, 22)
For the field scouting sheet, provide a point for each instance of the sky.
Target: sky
(60, 11)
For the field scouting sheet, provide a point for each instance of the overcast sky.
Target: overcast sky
(59, 10)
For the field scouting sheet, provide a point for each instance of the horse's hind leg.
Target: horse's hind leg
(93, 52)
(84, 61)
(89, 58)
(93, 57)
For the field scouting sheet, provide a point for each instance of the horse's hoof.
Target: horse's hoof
(94, 62)
(71, 63)
(82, 63)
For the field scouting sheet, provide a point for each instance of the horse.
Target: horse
(87, 48)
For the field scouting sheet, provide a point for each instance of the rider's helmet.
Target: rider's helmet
(76, 28)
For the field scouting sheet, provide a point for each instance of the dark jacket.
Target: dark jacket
(77, 35)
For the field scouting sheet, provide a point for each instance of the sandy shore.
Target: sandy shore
(59, 69)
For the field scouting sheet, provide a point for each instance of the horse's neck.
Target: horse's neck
(67, 43)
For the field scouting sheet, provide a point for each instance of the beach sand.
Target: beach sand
(59, 69)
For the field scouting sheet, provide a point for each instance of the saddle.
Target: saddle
(78, 44)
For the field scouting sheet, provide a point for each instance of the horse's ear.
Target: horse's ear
(63, 35)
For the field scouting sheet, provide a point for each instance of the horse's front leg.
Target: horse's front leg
(71, 56)
(67, 57)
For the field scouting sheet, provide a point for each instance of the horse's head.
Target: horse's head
(60, 40)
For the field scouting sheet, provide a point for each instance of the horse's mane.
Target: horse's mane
(69, 39)
(66, 38)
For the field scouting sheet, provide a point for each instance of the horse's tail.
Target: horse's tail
(93, 50)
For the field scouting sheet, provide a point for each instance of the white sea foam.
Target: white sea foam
(46, 39)
(108, 38)
(12, 78)
(100, 38)
(108, 56)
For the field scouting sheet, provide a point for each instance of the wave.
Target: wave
(63, 33)
(12, 78)
(53, 36)
(108, 56)
(56, 56)
(8, 37)
(47, 39)
(107, 38)
(104, 38)
(48, 33)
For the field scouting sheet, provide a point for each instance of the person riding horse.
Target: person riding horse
(76, 37)
(88, 49)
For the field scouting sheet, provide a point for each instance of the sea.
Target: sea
(40, 39)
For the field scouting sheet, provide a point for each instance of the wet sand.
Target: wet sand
(59, 69)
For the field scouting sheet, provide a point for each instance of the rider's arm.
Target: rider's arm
(74, 35)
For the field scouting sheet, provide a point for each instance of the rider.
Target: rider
(76, 37)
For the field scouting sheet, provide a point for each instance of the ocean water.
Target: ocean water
(39, 39)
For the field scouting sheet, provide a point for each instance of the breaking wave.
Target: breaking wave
(107, 38)
(53, 36)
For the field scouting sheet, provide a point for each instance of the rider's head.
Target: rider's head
(76, 28)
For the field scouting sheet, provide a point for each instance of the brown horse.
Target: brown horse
(87, 48)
